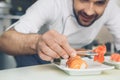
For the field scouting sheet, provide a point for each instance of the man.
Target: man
(55, 28)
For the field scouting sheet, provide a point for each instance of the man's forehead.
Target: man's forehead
(98, 0)
(101, 0)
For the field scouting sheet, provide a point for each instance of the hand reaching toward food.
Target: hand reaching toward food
(53, 45)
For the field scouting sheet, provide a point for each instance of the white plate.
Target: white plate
(93, 68)
(112, 63)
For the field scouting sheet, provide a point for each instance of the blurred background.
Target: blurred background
(10, 12)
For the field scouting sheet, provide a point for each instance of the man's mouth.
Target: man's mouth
(85, 20)
(84, 17)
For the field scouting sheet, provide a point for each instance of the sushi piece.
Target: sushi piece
(100, 50)
(76, 63)
(115, 57)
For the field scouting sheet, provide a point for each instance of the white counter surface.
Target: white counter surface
(51, 72)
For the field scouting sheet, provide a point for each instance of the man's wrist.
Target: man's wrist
(33, 43)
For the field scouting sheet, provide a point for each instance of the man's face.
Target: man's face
(88, 11)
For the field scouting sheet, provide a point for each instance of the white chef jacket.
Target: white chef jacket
(45, 15)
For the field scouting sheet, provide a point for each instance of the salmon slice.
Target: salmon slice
(100, 50)
(76, 63)
(115, 57)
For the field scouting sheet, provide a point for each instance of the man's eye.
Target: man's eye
(99, 3)
(84, 0)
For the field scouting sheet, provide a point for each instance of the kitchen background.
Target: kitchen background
(10, 12)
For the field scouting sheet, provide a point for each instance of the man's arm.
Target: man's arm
(48, 46)
(15, 43)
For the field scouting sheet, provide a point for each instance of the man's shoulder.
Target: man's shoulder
(55, 3)
(52, 1)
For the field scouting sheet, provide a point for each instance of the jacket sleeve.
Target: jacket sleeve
(40, 13)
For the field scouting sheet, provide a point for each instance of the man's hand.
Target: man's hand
(54, 45)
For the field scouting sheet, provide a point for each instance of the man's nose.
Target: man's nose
(89, 10)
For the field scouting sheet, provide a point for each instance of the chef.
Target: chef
(56, 28)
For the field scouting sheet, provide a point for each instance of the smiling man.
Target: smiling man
(55, 28)
(88, 11)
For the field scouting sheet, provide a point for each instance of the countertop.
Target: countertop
(51, 72)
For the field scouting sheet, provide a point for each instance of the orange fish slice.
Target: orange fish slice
(115, 57)
(100, 50)
(76, 63)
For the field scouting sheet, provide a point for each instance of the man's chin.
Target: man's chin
(85, 24)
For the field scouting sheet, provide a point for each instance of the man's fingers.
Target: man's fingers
(65, 45)
(44, 57)
(46, 50)
(57, 48)
(57, 43)
(69, 50)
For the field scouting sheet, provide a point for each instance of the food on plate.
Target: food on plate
(100, 50)
(115, 57)
(76, 63)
